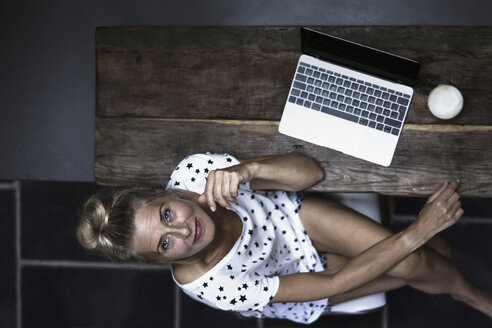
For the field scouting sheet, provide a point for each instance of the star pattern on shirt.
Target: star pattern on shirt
(244, 282)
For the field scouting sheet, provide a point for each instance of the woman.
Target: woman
(238, 239)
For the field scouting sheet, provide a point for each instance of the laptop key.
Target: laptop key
(299, 101)
(301, 77)
(393, 123)
(292, 99)
(299, 85)
(402, 101)
(295, 92)
(301, 69)
(339, 114)
(316, 106)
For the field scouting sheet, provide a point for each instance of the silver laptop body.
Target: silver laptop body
(348, 105)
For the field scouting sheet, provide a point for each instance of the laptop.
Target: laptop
(349, 97)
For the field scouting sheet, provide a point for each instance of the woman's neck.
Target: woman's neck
(228, 228)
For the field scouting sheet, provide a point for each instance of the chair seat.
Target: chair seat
(360, 305)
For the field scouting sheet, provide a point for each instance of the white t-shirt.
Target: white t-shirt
(272, 243)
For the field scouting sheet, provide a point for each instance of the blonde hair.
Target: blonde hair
(107, 222)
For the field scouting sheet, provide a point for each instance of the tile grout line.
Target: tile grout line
(463, 221)
(92, 265)
(18, 253)
(177, 307)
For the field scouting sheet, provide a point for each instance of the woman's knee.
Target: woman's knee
(412, 267)
(442, 246)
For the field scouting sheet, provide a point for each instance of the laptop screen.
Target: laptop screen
(359, 57)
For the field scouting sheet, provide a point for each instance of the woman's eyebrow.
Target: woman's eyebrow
(162, 237)
(160, 211)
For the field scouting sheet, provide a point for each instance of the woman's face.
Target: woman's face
(170, 228)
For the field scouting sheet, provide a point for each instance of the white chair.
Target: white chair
(367, 204)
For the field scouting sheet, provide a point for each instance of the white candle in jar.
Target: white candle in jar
(445, 101)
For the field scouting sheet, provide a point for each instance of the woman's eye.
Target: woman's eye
(165, 243)
(167, 215)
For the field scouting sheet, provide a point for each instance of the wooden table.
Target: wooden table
(164, 93)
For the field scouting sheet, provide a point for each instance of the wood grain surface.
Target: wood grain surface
(164, 93)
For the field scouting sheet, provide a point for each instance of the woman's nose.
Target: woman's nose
(181, 230)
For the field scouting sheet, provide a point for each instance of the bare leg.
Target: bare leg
(336, 229)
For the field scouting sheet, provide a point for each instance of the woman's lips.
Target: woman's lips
(198, 231)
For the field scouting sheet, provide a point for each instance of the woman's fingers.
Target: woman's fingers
(437, 192)
(209, 191)
(221, 187)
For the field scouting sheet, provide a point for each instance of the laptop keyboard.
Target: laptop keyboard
(350, 99)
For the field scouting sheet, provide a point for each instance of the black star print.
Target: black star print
(232, 277)
(189, 166)
(192, 179)
(221, 288)
(233, 302)
(245, 219)
(264, 228)
(245, 286)
(252, 196)
(210, 161)
(206, 170)
(176, 183)
(265, 289)
(219, 298)
(250, 231)
(211, 278)
(242, 298)
(229, 267)
(229, 159)
(205, 285)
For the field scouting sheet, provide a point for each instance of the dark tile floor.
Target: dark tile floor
(62, 286)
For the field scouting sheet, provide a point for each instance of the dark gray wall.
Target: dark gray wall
(47, 57)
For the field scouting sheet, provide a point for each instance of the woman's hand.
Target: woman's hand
(441, 210)
(222, 185)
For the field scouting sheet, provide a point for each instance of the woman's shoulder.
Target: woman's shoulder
(187, 273)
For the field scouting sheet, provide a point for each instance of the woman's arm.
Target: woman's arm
(290, 172)
(441, 211)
